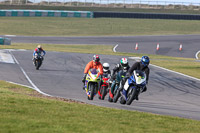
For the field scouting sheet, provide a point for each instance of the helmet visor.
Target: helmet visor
(106, 68)
(96, 60)
(125, 65)
(145, 63)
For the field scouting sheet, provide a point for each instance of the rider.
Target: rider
(92, 64)
(106, 68)
(143, 66)
(39, 51)
(124, 66)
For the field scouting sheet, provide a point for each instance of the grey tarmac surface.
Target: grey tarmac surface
(169, 45)
(61, 73)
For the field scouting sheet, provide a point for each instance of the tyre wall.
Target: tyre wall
(145, 15)
(45, 13)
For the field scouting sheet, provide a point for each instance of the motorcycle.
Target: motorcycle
(38, 61)
(92, 83)
(104, 87)
(116, 93)
(134, 86)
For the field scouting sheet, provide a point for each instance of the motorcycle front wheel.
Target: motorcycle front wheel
(131, 94)
(116, 95)
(103, 92)
(91, 89)
(37, 64)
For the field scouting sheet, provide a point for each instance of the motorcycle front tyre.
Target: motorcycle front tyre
(116, 96)
(131, 96)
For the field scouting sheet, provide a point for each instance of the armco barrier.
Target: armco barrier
(145, 15)
(5, 41)
(45, 13)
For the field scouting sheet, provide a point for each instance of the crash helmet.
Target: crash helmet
(145, 60)
(124, 63)
(96, 58)
(105, 67)
(39, 46)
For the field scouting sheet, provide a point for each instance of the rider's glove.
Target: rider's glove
(83, 80)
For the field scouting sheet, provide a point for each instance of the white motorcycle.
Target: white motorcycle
(134, 86)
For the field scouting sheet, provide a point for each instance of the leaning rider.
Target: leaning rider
(143, 66)
(95, 63)
(38, 51)
(122, 66)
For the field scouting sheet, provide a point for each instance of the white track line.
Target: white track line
(197, 55)
(176, 72)
(20, 84)
(34, 86)
(115, 48)
(169, 70)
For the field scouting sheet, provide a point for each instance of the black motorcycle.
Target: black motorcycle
(38, 61)
(121, 74)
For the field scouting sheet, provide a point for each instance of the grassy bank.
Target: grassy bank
(23, 110)
(184, 65)
(95, 27)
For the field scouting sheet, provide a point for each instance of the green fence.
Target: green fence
(45, 13)
(5, 41)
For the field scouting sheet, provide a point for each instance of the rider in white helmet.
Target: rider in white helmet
(106, 67)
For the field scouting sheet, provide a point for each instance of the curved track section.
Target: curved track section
(168, 93)
(169, 45)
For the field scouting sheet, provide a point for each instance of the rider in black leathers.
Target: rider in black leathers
(122, 66)
(143, 66)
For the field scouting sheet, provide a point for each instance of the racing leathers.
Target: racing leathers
(38, 51)
(115, 76)
(89, 66)
(136, 66)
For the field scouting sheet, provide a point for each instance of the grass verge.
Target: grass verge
(36, 26)
(23, 110)
(186, 66)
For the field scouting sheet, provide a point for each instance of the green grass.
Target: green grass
(198, 56)
(35, 26)
(184, 65)
(23, 110)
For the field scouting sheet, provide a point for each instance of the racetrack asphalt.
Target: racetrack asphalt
(61, 73)
(168, 45)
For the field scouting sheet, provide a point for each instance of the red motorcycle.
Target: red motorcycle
(104, 86)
